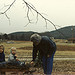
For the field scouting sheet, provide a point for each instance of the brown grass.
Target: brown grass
(26, 47)
(65, 48)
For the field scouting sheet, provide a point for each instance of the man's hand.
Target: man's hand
(16, 55)
(32, 62)
(17, 59)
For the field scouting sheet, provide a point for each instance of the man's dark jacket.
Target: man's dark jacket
(45, 47)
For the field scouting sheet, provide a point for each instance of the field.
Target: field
(61, 66)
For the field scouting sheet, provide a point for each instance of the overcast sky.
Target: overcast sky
(60, 12)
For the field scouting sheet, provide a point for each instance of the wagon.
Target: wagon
(13, 69)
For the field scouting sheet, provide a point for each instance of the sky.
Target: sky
(60, 12)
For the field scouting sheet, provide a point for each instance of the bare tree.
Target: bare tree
(30, 7)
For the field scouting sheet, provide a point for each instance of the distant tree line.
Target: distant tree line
(4, 37)
(16, 36)
(25, 36)
(20, 36)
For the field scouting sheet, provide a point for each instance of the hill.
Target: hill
(65, 32)
(62, 33)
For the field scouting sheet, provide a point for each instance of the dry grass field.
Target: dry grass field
(24, 48)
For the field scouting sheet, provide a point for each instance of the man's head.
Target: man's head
(35, 38)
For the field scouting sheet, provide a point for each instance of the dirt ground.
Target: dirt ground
(64, 67)
(60, 67)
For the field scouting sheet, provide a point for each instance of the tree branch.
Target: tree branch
(31, 7)
(8, 7)
(7, 18)
(46, 20)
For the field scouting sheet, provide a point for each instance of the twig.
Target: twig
(7, 18)
(8, 7)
